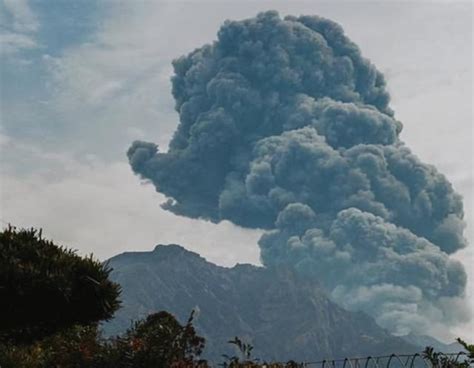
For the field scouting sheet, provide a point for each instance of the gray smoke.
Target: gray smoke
(285, 126)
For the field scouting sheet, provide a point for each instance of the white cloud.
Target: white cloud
(12, 43)
(101, 208)
(18, 29)
(24, 20)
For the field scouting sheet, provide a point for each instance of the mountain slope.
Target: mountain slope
(423, 341)
(281, 315)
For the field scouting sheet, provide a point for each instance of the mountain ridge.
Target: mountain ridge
(278, 312)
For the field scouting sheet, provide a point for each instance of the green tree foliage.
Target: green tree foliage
(75, 347)
(440, 360)
(244, 350)
(158, 341)
(45, 288)
(51, 302)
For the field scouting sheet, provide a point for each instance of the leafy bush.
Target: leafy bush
(158, 341)
(77, 346)
(440, 360)
(52, 302)
(48, 288)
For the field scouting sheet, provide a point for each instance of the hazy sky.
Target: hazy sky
(80, 80)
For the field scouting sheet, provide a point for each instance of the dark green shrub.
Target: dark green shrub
(45, 288)
(440, 360)
(77, 346)
(157, 341)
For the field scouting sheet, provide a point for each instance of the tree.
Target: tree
(74, 347)
(51, 301)
(46, 288)
(438, 359)
(158, 341)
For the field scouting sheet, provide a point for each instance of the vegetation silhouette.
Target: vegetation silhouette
(55, 301)
(49, 288)
(438, 359)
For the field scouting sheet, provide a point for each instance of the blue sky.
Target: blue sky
(80, 80)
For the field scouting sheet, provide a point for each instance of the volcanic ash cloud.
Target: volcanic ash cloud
(285, 126)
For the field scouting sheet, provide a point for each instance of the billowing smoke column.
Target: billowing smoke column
(285, 126)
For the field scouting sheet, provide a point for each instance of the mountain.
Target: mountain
(423, 341)
(279, 313)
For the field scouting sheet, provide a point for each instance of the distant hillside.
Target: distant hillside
(423, 341)
(281, 315)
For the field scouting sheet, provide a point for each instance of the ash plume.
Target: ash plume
(285, 126)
